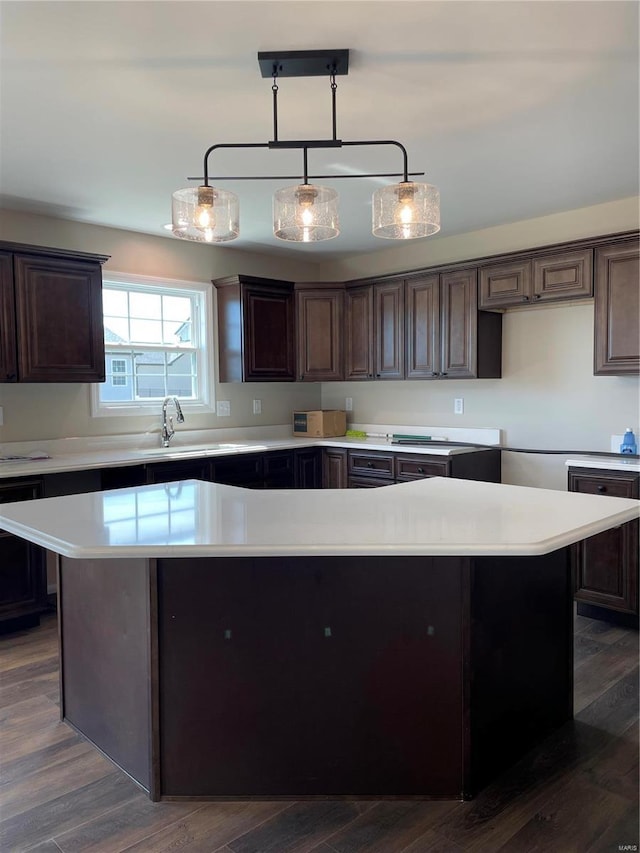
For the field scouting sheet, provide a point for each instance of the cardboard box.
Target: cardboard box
(322, 423)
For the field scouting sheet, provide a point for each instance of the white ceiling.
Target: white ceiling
(513, 109)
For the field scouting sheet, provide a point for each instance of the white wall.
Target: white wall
(548, 397)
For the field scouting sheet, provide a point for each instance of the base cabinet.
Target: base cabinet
(605, 566)
(23, 580)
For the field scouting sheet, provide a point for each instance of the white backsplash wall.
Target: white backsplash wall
(548, 397)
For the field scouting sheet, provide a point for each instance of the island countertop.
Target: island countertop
(433, 517)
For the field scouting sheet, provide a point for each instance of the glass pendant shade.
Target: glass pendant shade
(205, 214)
(305, 214)
(406, 210)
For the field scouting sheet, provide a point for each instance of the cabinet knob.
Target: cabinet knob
(369, 464)
(537, 296)
(420, 470)
(525, 298)
(444, 373)
(602, 488)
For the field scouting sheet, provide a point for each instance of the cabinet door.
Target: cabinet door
(308, 468)
(268, 320)
(241, 470)
(8, 364)
(278, 472)
(320, 329)
(334, 468)
(606, 565)
(23, 582)
(459, 324)
(617, 309)
(60, 334)
(567, 275)
(423, 327)
(502, 285)
(359, 331)
(389, 333)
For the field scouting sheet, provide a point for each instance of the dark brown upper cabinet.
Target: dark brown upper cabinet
(374, 331)
(256, 329)
(617, 309)
(51, 311)
(447, 337)
(543, 278)
(319, 313)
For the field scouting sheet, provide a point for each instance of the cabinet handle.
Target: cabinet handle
(525, 298)
(420, 470)
(444, 373)
(369, 464)
(537, 296)
(602, 488)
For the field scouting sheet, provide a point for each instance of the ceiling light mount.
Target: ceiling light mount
(306, 212)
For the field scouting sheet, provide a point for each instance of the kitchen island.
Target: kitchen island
(411, 641)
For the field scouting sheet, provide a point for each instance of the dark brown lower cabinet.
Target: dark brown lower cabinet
(605, 566)
(372, 468)
(23, 578)
(307, 463)
(334, 468)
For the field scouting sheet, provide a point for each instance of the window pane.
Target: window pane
(145, 305)
(146, 331)
(176, 308)
(115, 302)
(116, 329)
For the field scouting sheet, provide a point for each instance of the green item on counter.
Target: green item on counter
(414, 437)
(356, 433)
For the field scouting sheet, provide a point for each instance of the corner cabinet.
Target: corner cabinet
(617, 309)
(606, 565)
(447, 337)
(256, 329)
(51, 311)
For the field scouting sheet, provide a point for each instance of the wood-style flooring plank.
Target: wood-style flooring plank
(392, 824)
(599, 672)
(25, 830)
(190, 827)
(297, 829)
(616, 709)
(574, 818)
(431, 842)
(29, 726)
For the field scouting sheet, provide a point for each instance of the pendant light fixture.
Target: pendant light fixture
(306, 212)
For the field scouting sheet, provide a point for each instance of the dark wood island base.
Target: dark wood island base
(341, 676)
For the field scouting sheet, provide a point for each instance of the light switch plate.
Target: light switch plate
(223, 408)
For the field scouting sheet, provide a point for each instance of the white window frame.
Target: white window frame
(205, 403)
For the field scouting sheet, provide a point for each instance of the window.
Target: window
(155, 335)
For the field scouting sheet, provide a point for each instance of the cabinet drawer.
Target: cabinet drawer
(371, 464)
(592, 482)
(416, 468)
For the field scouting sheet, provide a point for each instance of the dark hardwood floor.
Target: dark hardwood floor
(577, 792)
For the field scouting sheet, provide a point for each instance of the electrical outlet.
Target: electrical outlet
(458, 406)
(257, 407)
(223, 408)
(348, 404)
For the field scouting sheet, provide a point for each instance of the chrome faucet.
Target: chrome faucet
(167, 422)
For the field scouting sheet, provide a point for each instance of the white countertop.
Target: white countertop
(605, 462)
(437, 516)
(104, 457)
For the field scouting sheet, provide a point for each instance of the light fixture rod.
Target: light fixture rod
(305, 144)
(388, 142)
(274, 89)
(295, 177)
